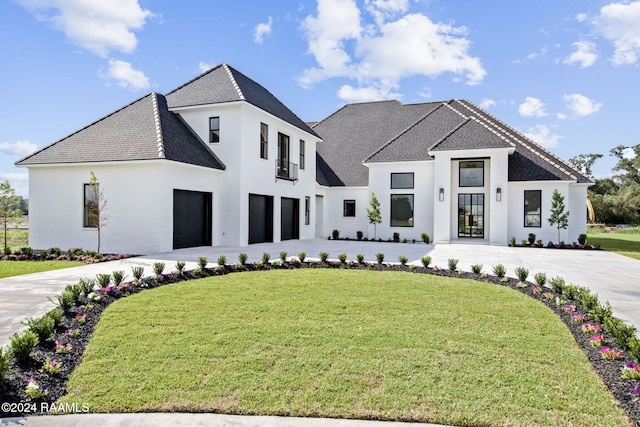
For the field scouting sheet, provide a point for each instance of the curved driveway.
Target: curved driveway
(613, 277)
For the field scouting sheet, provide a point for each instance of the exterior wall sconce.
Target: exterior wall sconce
(498, 194)
(441, 195)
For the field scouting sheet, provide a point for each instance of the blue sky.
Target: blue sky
(564, 73)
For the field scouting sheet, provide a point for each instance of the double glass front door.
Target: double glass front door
(471, 215)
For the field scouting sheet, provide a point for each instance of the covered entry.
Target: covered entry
(260, 218)
(289, 218)
(471, 215)
(191, 218)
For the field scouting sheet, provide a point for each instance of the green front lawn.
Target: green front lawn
(342, 343)
(627, 244)
(17, 268)
(16, 239)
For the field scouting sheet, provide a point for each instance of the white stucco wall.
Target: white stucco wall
(139, 204)
(333, 212)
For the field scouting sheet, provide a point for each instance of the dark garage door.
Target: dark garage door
(191, 219)
(260, 218)
(290, 219)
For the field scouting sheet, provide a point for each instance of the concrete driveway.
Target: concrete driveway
(613, 277)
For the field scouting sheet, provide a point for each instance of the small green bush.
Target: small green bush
(426, 260)
(622, 332)
(4, 365)
(531, 238)
(359, 258)
(476, 268)
(342, 257)
(222, 261)
(512, 241)
(582, 239)
(56, 315)
(242, 258)
(118, 277)
(396, 237)
(65, 301)
(87, 285)
(158, 268)
(359, 235)
(601, 312)
(43, 327)
(425, 238)
(539, 242)
(180, 266)
(633, 345)
(557, 284)
(540, 279)
(137, 272)
(266, 256)
(499, 270)
(452, 263)
(302, 256)
(570, 292)
(335, 234)
(283, 256)
(76, 290)
(380, 257)
(323, 256)
(21, 346)
(202, 262)
(521, 273)
(403, 259)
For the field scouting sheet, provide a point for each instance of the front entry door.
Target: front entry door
(471, 215)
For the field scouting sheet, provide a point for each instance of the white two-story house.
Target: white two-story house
(221, 161)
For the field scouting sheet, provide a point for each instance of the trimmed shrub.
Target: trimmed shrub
(323, 256)
(21, 346)
(531, 238)
(158, 268)
(342, 257)
(540, 279)
(202, 262)
(180, 266)
(499, 270)
(56, 315)
(557, 284)
(403, 259)
(452, 263)
(622, 332)
(42, 327)
(335, 234)
(396, 237)
(118, 277)
(87, 285)
(476, 268)
(222, 261)
(4, 365)
(65, 301)
(522, 273)
(266, 256)
(360, 258)
(302, 256)
(570, 291)
(425, 238)
(104, 280)
(582, 239)
(359, 235)
(380, 258)
(283, 256)
(242, 258)
(137, 272)
(426, 260)
(512, 241)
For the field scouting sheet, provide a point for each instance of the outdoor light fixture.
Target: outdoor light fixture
(498, 194)
(441, 196)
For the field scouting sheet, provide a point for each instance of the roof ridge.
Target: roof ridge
(85, 127)
(493, 131)
(234, 83)
(451, 132)
(195, 78)
(537, 149)
(407, 129)
(158, 126)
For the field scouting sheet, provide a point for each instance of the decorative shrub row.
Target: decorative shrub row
(55, 254)
(335, 235)
(531, 241)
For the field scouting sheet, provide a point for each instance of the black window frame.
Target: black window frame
(401, 187)
(526, 215)
(460, 168)
(264, 141)
(302, 155)
(214, 132)
(307, 210)
(349, 208)
(400, 223)
(91, 194)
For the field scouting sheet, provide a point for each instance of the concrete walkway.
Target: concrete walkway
(613, 277)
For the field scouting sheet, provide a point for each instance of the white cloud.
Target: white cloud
(620, 24)
(20, 148)
(585, 54)
(543, 136)
(487, 103)
(261, 30)
(98, 26)
(204, 67)
(532, 107)
(580, 105)
(125, 76)
(379, 55)
(581, 17)
(364, 94)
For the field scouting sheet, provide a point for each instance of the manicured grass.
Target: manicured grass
(17, 268)
(627, 244)
(342, 343)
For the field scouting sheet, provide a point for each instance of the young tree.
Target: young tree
(559, 217)
(7, 211)
(96, 207)
(373, 213)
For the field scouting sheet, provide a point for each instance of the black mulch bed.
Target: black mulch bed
(13, 390)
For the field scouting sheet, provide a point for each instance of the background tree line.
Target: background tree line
(615, 200)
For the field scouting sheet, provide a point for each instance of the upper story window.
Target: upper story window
(91, 213)
(349, 208)
(301, 165)
(402, 180)
(214, 129)
(532, 208)
(472, 174)
(264, 141)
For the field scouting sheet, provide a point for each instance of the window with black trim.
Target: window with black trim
(264, 141)
(214, 129)
(349, 208)
(402, 180)
(301, 165)
(402, 210)
(307, 210)
(472, 173)
(90, 217)
(533, 208)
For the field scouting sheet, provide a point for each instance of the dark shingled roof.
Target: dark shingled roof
(142, 130)
(388, 131)
(226, 84)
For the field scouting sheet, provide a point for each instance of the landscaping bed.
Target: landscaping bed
(18, 376)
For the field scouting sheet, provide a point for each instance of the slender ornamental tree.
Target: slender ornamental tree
(559, 217)
(7, 202)
(374, 214)
(96, 207)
